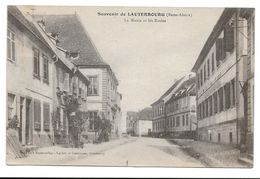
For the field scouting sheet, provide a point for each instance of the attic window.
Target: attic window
(74, 54)
(55, 36)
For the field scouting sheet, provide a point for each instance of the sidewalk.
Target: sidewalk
(57, 155)
(211, 154)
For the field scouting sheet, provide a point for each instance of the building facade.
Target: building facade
(41, 100)
(131, 118)
(102, 96)
(29, 81)
(143, 125)
(221, 70)
(181, 111)
(174, 113)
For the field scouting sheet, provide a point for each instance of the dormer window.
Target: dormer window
(55, 36)
(74, 55)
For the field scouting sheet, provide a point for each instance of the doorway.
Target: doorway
(28, 121)
(21, 119)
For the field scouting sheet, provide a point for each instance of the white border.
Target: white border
(47, 171)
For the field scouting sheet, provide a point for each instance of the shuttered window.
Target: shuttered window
(36, 62)
(45, 69)
(210, 106)
(227, 95)
(10, 45)
(215, 96)
(212, 62)
(37, 114)
(220, 54)
(229, 38)
(64, 120)
(66, 86)
(233, 100)
(46, 116)
(220, 95)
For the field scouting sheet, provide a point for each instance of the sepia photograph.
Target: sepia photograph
(123, 86)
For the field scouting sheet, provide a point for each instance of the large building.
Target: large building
(180, 111)
(39, 78)
(143, 125)
(29, 81)
(102, 95)
(223, 70)
(174, 113)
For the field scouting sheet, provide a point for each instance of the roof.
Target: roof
(145, 114)
(168, 91)
(73, 37)
(188, 86)
(224, 18)
(14, 12)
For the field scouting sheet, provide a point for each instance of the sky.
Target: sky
(146, 57)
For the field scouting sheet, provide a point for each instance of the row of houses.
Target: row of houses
(217, 104)
(139, 123)
(58, 85)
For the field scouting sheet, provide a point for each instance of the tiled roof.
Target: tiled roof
(145, 114)
(14, 12)
(73, 37)
(187, 86)
(169, 90)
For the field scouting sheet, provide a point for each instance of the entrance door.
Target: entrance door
(28, 121)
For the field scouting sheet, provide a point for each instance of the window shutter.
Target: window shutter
(66, 82)
(37, 114)
(229, 38)
(220, 54)
(46, 116)
(64, 120)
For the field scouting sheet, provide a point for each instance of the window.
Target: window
(45, 69)
(198, 111)
(205, 73)
(37, 114)
(220, 95)
(210, 137)
(187, 119)
(229, 38)
(212, 62)
(220, 54)
(198, 80)
(208, 68)
(203, 110)
(201, 77)
(36, 63)
(93, 86)
(10, 45)
(233, 100)
(215, 97)
(206, 108)
(183, 120)
(219, 137)
(227, 95)
(210, 106)
(64, 126)
(46, 116)
(178, 121)
(173, 121)
(93, 115)
(230, 138)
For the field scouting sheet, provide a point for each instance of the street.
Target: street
(142, 152)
